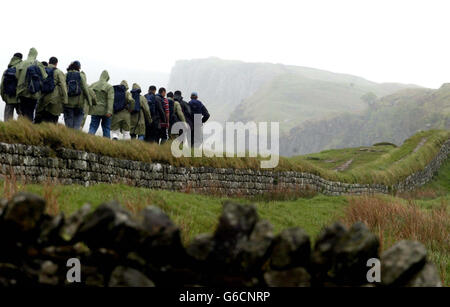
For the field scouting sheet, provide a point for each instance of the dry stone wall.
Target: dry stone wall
(39, 164)
(117, 248)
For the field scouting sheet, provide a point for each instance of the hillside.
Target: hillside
(392, 118)
(266, 92)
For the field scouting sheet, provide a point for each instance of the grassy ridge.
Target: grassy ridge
(386, 169)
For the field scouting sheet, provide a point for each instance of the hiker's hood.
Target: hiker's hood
(124, 83)
(104, 76)
(32, 54)
(14, 61)
(136, 86)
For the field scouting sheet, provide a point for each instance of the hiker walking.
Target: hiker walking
(184, 107)
(102, 111)
(8, 87)
(54, 89)
(30, 74)
(123, 104)
(162, 109)
(176, 114)
(140, 114)
(77, 91)
(199, 109)
(151, 128)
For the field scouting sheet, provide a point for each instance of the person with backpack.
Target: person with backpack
(151, 128)
(197, 108)
(8, 87)
(102, 111)
(162, 112)
(123, 104)
(77, 90)
(140, 114)
(30, 75)
(185, 108)
(176, 113)
(55, 97)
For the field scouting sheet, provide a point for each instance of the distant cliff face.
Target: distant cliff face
(393, 118)
(222, 85)
(239, 91)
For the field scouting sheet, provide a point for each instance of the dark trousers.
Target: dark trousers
(163, 135)
(152, 132)
(73, 117)
(27, 107)
(9, 111)
(45, 117)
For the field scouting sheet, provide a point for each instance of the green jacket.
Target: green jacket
(178, 111)
(138, 119)
(104, 96)
(22, 86)
(78, 101)
(15, 61)
(56, 100)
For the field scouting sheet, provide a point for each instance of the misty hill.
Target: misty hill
(269, 92)
(392, 118)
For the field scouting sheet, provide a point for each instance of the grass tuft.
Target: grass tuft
(393, 220)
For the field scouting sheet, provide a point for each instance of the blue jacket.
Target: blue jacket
(198, 107)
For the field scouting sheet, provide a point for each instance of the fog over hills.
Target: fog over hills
(235, 90)
(392, 118)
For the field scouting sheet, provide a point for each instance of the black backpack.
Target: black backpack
(48, 85)
(33, 79)
(151, 104)
(137, 100)
(119, 98)
(73, 81)
(173, 116)
(186, 108)
(10, 81)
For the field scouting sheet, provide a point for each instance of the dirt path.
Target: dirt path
(421, 143)
(344, 166)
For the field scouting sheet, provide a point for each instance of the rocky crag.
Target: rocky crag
(116, 248)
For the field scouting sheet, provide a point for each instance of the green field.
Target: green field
(421, 215)
(196, 214)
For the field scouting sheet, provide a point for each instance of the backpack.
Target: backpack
(137, 100)
(151, 104)
(73, 81)
(48, 85)
(173, 118)
(33, 79)
(10, 81)
(119, 98)
(186, 108)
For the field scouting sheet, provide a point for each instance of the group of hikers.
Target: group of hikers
(41, 92)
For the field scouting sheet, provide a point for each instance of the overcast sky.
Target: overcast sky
(384, 41)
